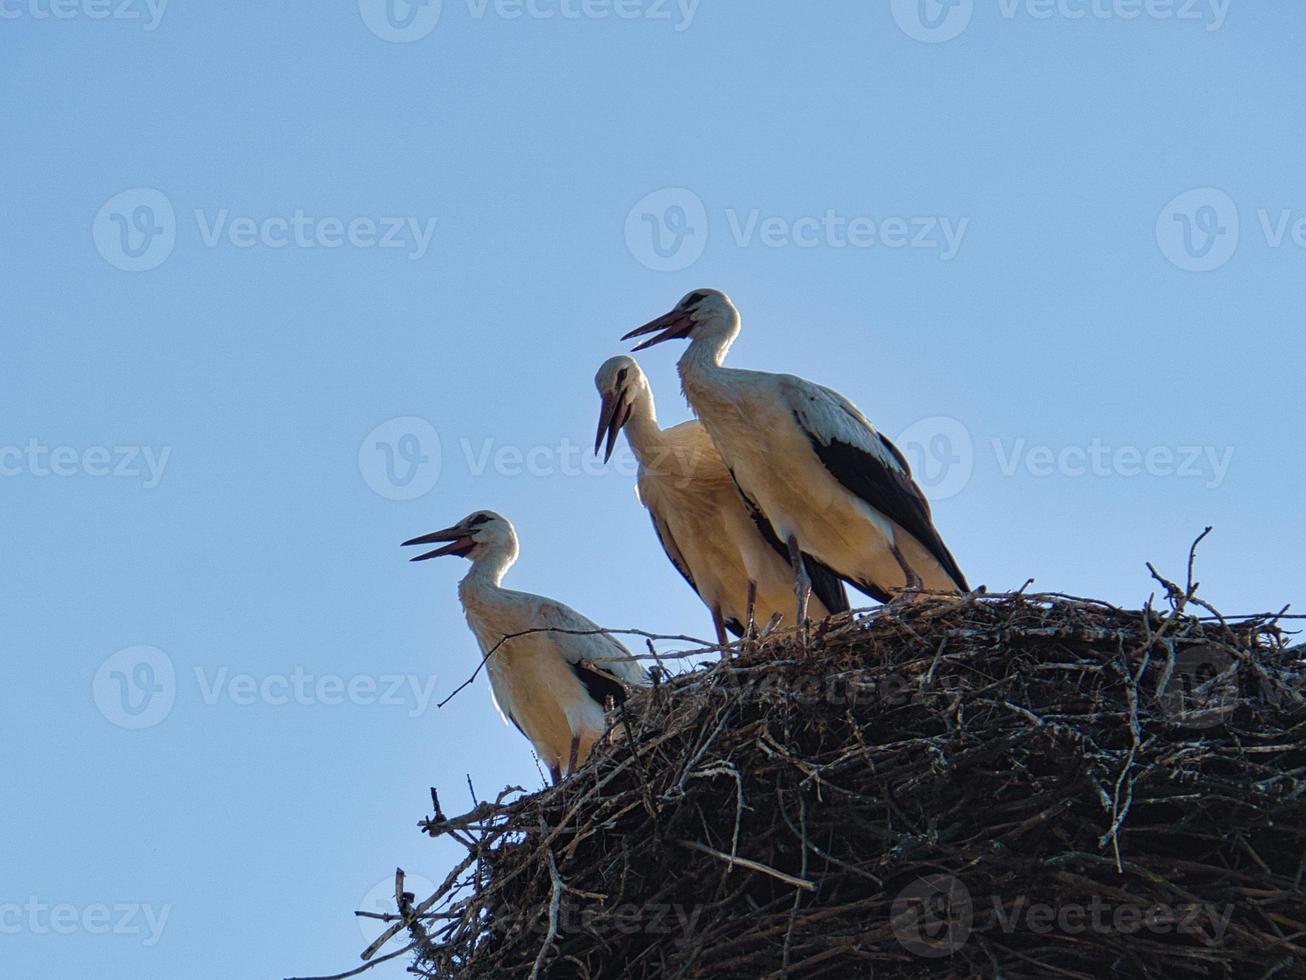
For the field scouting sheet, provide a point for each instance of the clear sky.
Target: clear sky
(287, 283)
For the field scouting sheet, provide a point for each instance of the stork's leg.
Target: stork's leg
(802, 581)
(556, 773)
(750, 626)
(720, 627)
(722, 639)
(913, 589)
(575, 749)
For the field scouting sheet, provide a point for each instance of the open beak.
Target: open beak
(674, 326)
(612, 416)
(460, 542)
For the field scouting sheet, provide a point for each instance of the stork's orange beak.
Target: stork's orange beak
(612, 416)
(674, 326)
(460, 542)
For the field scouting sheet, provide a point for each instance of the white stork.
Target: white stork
(552, 686)
(829, 483)
(730, 556)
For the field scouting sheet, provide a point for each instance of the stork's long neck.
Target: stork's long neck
(487, 604)
(487, 571)
(642, 428)
(700, 367)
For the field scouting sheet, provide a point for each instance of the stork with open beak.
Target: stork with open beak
(552, 685)
(727, 553)
(829, 483)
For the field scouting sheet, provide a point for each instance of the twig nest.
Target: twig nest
(1016, 786)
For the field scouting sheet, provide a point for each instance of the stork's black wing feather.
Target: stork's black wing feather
(600, 686)
(672, 551)
(889, 490)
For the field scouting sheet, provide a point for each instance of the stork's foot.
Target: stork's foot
(752, 632)
(912, 591)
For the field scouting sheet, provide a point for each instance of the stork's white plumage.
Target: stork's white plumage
(552, 685)
(725, 553)
(827, 481)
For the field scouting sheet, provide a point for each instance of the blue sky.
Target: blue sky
(285, 284)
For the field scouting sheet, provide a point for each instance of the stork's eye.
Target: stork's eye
(478, 519)
(621, 375)
(693, 298)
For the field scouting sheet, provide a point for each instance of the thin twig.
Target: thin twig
(788, 879)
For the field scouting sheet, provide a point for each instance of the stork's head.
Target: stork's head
(704, 314)
(477, 535)
(620, 382)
